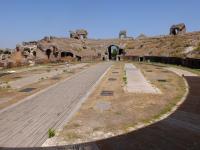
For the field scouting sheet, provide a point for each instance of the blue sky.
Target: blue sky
(24, 20)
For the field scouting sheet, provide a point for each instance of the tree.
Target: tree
(114, 53)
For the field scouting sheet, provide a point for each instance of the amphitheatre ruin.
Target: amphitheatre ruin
(79, 47)
(124, 93)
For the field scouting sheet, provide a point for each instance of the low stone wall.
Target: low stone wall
(187, 62)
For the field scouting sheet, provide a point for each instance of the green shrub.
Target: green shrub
(125, 79)
(197, 49)
(51, 133)
(114, 53)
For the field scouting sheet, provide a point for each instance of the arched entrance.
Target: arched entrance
(78, 58)
(48, 53)
(34, 53)
(114, 51)
(67, 54)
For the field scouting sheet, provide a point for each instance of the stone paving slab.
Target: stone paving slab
(17, 84)
(136, 82)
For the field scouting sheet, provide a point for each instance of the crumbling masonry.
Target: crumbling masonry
(178, 29)
(79, 34)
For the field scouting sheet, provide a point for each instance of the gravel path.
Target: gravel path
(27, 123)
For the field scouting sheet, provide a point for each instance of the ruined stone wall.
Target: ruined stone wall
(179, 46)
(186, 45)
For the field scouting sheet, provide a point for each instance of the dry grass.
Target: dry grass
(127, 109)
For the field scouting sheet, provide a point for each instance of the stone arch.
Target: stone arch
(122, 34)
(34, 53)
(7, 52)
(78, 58)
(66, 54)
(27, 50)
(113, 51)
(48, 53)
(56, 54)
(178, 29)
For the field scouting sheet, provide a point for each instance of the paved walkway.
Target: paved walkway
(27, 123)
(37, 77)
(136, 82)
(181, 72)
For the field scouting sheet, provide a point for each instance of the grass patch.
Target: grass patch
(97, 129)
(72, 135)
(5, 86)
(42, 78)
(125, 78)
(168, 108)
(118, 113)
(197, 48)
(65, 71)
(68, 71)
(76, 125)
(8, 86)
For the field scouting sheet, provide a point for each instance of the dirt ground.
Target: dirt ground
(9, 96)
(105, 116)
